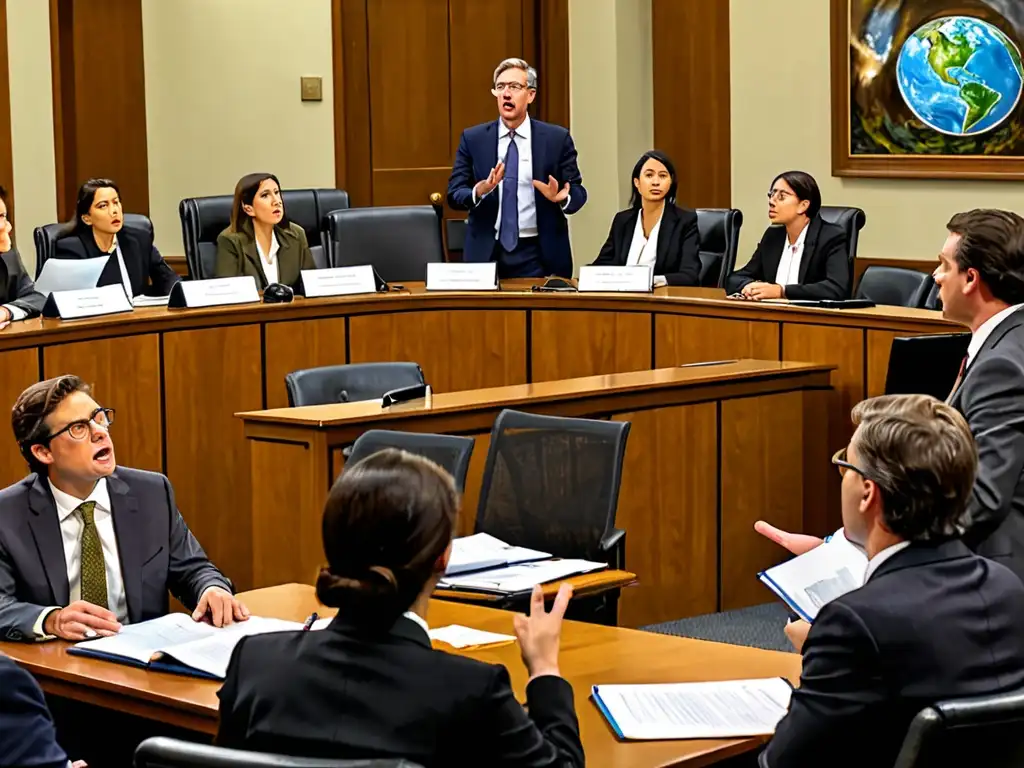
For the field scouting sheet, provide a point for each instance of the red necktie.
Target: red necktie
(959, 378)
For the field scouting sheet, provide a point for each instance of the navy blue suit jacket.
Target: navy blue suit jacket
(554, 154)
(27, 733)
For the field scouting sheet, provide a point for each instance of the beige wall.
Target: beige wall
(35, 181)
(610, 107)
(222, 99)
(781, 120)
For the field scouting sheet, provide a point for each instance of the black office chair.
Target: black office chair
(46, 236)
(925, 365)
(447, 451)
(932, 300)
(850, 219)
(980, 731)
(719, 241)
(894, 286)
(349, 383)
(162, 752)
(455, 233)
(552, 483)
(399, 241)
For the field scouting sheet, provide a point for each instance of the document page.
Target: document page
(140, 641)
(522, 577)
(814, 578)
(718, 710)
(466, 637)
(212, 653)
(481, 550)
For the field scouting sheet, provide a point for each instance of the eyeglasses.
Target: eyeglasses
(514, 87)
(839, 459)
(80, 430)
(779, 194)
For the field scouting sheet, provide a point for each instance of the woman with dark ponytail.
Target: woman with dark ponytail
(370, 685)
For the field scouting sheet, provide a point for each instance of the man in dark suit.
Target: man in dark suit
(519, 180)
(27, 735)
(19, 299)
(84, 546)
(933, 620)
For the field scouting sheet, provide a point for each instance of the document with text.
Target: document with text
(482, 551)
(521, 577)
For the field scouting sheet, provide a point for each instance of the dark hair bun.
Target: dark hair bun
(373, 599)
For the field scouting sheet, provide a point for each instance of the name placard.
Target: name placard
(214, 293)
(337, 281)
(87, 302)
(632, 279)
(481, 276)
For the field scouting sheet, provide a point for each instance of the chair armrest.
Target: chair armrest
(613, 546)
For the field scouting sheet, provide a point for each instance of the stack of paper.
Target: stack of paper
(522, 577)
(719, 710)
(466, 637)
(150, 301)
(482, 551)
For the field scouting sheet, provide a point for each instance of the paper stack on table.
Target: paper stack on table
(482, 551)
(466, 637)
(520, 578)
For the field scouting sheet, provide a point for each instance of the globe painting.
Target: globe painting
(960, 75)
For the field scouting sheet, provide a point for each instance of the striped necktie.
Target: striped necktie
(94, 570)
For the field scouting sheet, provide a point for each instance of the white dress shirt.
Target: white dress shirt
(980, 336)
(71, 528)
(269, 261)
(17, 313)
(875, 562)
(644, 250)
(789, 264)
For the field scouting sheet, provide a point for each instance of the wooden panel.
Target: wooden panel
(209, 375)
(137, 430)
(566, 345)
(682, 339)
(668, 508)
(819, 519)
(458, 349)
(353, 168)
(879, 344)
(552, 102)
(409, 186)
(690, 51)
(762, 478)
(18, 369)
(6, 152)
(296, 345)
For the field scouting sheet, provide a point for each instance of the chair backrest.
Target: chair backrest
(895, 286)
(980, 731)
(552, 483)
(925, 365)
(46, 236)
(162, 752)
(447, 451)
(455, 235)
(932, 300)
(850, 219)
(719, 230)
(399, 241)
(204, 218)
(349, 383)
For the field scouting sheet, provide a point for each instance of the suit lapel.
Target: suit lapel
(128, 529)
(810, 243)
(539, 158)
(45, 526)
(1013, 321)
(669, 222)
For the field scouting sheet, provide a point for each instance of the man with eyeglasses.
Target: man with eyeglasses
(518, 178)
(85, 546)
(932, 621)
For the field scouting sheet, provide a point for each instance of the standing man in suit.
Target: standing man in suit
(19, 299)
(519, 180)
(86, 547)
(932, 621)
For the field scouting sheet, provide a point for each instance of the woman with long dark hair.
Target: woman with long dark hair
(19, 299)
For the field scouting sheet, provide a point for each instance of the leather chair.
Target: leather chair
(398, 241)
(204, 218)
(448, 451)
(46, 236)
(980, 731)
(850, 219)
(162, 752)
(349, 383)
(932, 300)
(894, 286)
(719, 241)
(455, 235)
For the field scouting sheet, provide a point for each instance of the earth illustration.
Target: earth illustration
(960, 75)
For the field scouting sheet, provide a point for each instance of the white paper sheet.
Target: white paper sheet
(481, 550)
(463, 637)
(150, 301)
(212, 653)
(70, 274)
(522, 577)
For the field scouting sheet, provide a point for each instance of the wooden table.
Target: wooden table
(590, 655)
(176, 377)
(711, 449)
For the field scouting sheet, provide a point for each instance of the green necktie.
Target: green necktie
(94, 571)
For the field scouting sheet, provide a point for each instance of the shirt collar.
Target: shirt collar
(417, 619)
(274, 246)
(875, 562)
(67, 504)
(523, 130)
(799, 244)
(980, 336)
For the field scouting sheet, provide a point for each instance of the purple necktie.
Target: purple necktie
(508, 229)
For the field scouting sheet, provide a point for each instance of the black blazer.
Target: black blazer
(141, 259)
(27, 734)
(16, 287)
(932, 622)
(345, 694)
(824, 268)
(991, 398)
(158, 552)
(678, 256)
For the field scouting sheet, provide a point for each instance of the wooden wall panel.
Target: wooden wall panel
(300, 344)
(569, 344)
(457, 350)
(6, 153)
(353, 167)
(552, 102)
(18, 369)
(690, 49)
(682, 339)
(99, 92)
(125, 375)
(879, 344)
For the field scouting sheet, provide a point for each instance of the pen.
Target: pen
(309, 622)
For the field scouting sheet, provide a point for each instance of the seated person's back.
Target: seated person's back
(370, 685)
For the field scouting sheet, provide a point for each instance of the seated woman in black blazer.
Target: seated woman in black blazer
(19, 299)
(370, 685)
(653, 230)
(260, 240)
(801, 256)
(98, 231)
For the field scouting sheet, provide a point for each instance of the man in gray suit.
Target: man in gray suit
(86, 547)
(19, 299)
(981, 284)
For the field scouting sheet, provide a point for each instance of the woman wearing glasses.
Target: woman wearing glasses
(805, 257)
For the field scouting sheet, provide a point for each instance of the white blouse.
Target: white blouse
(643, 250)
(269, 261)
